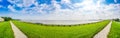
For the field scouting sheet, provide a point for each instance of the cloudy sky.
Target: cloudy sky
(60, 9)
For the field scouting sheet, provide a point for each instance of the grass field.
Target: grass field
(115, 30)
(6, 30)
(42, 31)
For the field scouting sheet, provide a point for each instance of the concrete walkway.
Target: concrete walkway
(17, 32)
(103, 33)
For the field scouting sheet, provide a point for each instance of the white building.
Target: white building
(1, 19)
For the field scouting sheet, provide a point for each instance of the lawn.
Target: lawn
(115, 30)
(6, 30)
(44, 31)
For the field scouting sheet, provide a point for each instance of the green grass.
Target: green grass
(42, 31)
(6, 30)
(115, 30)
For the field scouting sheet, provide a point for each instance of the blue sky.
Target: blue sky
(60, 9)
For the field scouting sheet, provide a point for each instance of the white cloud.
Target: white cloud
(115, 1)
(25, 3)
(0, 0)
(55, 4)
(14, 1)
(12, 8)
(87, 9)
(28, 3)
(65, 1)
(19, 5)
(1, 6)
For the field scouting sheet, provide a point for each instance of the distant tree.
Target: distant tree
(117, 19)
(6, 18)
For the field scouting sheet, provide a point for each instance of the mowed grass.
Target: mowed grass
(115, 30)
(6, 30)
(43, 31)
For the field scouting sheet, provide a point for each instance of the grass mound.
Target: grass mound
(43, 31)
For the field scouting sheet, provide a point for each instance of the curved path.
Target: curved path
(103, 33)
(17, 32)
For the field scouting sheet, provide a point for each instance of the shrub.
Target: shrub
(118, 20)
(6, 18)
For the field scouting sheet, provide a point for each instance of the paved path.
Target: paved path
(103, 33)
(17, 32)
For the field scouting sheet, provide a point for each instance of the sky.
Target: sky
(60, 9)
